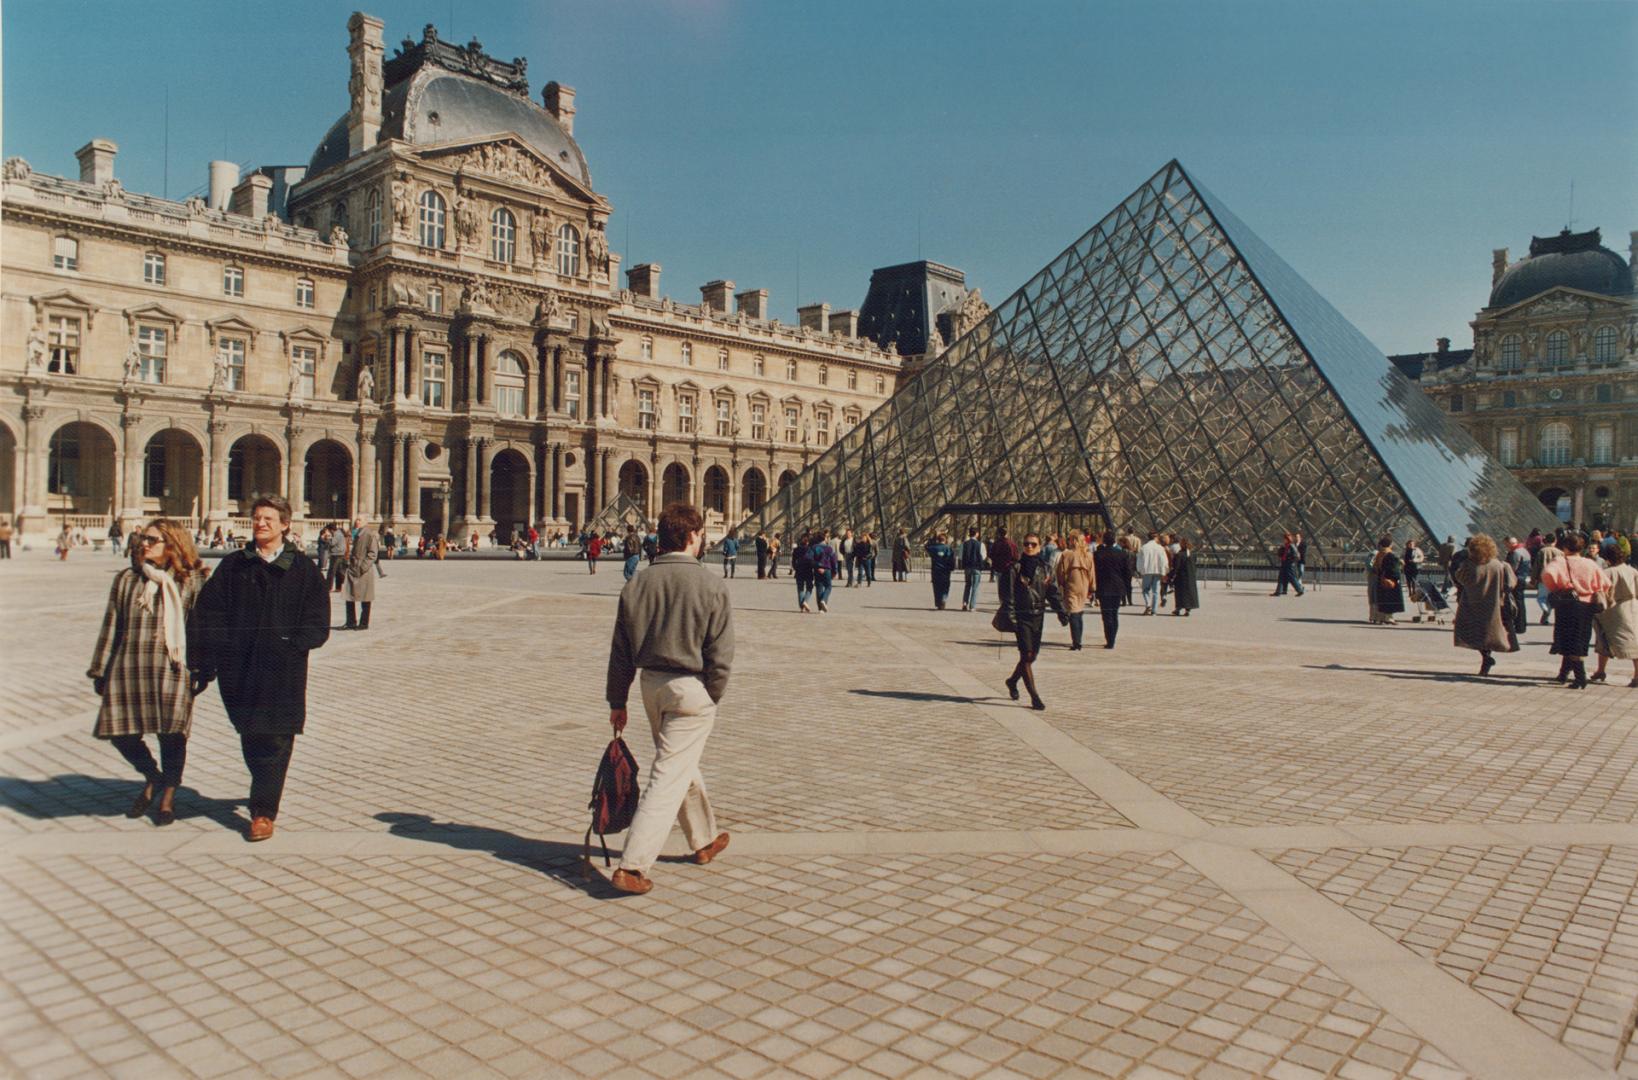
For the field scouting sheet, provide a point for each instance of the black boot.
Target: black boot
(364, 622)
(352, 617)
(1563, 670)
(1579, 668)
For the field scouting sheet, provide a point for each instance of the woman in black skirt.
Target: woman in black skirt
(1031, 582)
(1574, 582)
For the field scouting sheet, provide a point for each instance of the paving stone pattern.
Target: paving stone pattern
(919, 885)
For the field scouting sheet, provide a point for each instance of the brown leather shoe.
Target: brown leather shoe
(630, 881)
(711, 850)
(260, 829)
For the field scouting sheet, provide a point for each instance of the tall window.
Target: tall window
(790, 370)
(510, 383)
(373, 218)
(1603, 444)
(688, 354)
(725, 418)
(568, 250)
(305, 357)
(434, 373)
(432, 220)
(1604, 346)
(233, 281)
(759, 366)
(645, 409)
(646, 348)
(435, 299)
(1555, 444)
(881, 385)
(1511, 359)
(63, 337)
(571, 393)
(824, 374)
(793, 417)
(722, 359)
(234, 350)
(759, 420)
(153, 344)
(304, 292)
(821, 424)
(852, 378)
(65, 253)
(1558, 347)
(685, 414)
(1507, 446)
(153, 268)
(503, 235)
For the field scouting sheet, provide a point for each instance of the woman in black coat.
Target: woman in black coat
(263, 610)
(1185, 590)
(1388, 586)
(1031, 582)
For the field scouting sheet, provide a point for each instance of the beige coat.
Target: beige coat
(1076, 579)
(1479, 623)
(1618, 623)
(361, 565)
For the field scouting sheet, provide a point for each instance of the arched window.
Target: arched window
(373, 222)
(1511, 359)
(503, 235)
(1558, 347)
(568, 251)
(1604, 339)
(510, 384)
(432, 220)
(1555, 444)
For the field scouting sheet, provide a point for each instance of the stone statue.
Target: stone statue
(338, 236)
(295, 379)
(366, 382)
(466, 218)
(17, 168)
(195, 205)
(403, 208)
(733, 423)
(475, 294)
(540, 237)
(401, 294)
(219, 371)
(133, 363)
(807, 431)
(602, 329)
(597, 248)
(36, 351)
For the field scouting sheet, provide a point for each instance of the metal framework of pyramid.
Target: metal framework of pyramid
(1173, 368)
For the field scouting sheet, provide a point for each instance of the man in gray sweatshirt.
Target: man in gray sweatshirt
(675, 624)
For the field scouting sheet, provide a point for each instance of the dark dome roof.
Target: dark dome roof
(1568, 260)
(438, 106)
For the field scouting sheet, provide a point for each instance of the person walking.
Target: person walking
(942, 560)
(802, 571)
(825, 569)
(594, 548)
(116, 539)
(1575, 584)
(631, 546)
(1031, 581)
(730, 554)
(1185, 585)
(1301, 564)
(1003, 557)
(1484, 616)
(337, 561)
(1545, 556)
(321, 550)
(1288, 578)
(363, 554)
(1077, 581)
(848, 558)
(1152, 566)
(1518, 560)
(1386, 587)
(972, 568)
(901, 556)
(864, 549)
(761, 554)
(1413, 559)
(145, 668)
(65, 541)
(261, 613)
(5, 536)
(675, 623)
(1112, 577)
(1617, 624)
(775, 545)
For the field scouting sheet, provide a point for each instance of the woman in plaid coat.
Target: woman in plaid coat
(140, 667)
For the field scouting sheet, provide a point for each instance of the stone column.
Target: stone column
(412, 479)
(605, 371)
(696, 484)
(389, 478)
(557, 380)
(557, 482)
(608, 483)
(469, 494)
(31, 506)
(543, 381)
(365, 506)
(412, 375)
(218, 471)
(128, 491)
(1578, 503)
(295, 466)
(656, 488)
(486, 474)
(594, 387)
(392, 363)
(483, 368)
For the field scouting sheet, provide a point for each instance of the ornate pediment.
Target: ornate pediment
(1566, 303)
(230, 325)
(62, 298)
(510, 161)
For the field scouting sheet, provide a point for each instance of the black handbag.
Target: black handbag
(1003, 621)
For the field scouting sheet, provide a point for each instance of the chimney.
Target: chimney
(814, 317)
(714, 295)
(252, 198)
(1443, 345)
(644, 280)
(223, 175)
(97, 161)
(1498, 265)
(1632, 255)
(364, 86)
(845, 323)
(559, 101)
(752, 303)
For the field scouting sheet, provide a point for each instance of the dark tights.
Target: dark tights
(173, 751)
(1025, 671)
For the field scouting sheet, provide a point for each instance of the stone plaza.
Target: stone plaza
(1266, 840)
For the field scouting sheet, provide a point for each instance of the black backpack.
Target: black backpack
(614, 797)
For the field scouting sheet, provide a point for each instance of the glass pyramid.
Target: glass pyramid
(1172, 368)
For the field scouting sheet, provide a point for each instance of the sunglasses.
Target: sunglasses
(1032, 543)
(150, 541)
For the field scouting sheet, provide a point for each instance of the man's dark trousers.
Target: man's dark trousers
(268, 758)
(1110, 610)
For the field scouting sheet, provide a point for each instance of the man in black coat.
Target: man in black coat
(263, 610)
(1114, 573)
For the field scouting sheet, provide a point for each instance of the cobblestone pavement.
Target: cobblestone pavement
(1266, 840)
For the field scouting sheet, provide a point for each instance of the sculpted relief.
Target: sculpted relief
(505, 161)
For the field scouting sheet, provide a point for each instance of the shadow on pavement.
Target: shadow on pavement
(1496, 678)
(917, 695)
(79, 795)
(559, 861)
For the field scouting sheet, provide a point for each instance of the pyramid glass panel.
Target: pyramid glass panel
(1173, 369)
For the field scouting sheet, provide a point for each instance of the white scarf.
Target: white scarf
(174, 620)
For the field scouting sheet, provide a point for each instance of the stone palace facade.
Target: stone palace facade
(424, 325)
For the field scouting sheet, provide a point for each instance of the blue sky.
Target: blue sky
(1382, 148)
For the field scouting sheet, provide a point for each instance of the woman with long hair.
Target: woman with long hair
(1030, 581)
(140, 666)
(1575, 583)
(1618, 622)
(1077, 581)
(1483, 615)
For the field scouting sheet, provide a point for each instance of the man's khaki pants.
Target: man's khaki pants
(682, 714)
